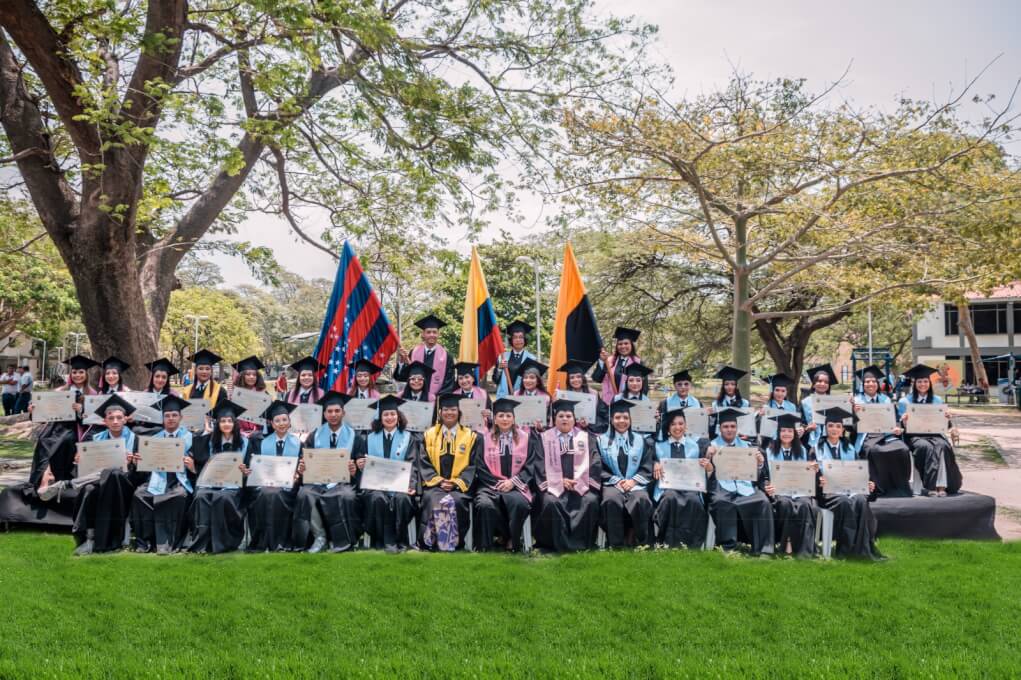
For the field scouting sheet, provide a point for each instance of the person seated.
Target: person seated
(531, 373)
(889, 457)
(934, 456)
(203, 385)
(795, 515)
(780, 386)
(364, 384)
(271, 508)
(625, 508)
(416, 387)
(822, 378)
(577, 382)
(681, 517)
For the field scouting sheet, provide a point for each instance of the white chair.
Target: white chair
(526, 535)
(601, 539)
(824, 530)
(710, 535)
(916, 481)
(469, 539)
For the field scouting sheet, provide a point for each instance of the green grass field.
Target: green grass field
(933, 609)
(16, 448)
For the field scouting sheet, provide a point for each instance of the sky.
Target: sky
(894, 48)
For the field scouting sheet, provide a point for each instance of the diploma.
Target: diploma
(822, 402)
(585, 406)
(326, 466)
(643, 416)
(746, 424)
(306, 418)
(735, 463)
(49, 407)
(767, 426)
(381, 474)
(419, 415)
(846, 477)
(926, 419)
(358, 415)
(221, 470)
(876, 418)
(683, 474)
(530, 409)
(276, 471)
(160, 454)
(143, 402)
(253, 402)
(95, 457)
(471, 414)
(792, 478)
(92, 402)
(194, 417)
(698, 421)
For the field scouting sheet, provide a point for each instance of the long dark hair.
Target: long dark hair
(402, 422)
(217, 438)
(796, 448)
(260, 382)
(723, 395)
(928, 395)
(540, 386)
(584, 382)
(152, 388)
(664, 428)
(829, 385)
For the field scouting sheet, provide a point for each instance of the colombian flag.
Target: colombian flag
(575, 334)
(481, 339)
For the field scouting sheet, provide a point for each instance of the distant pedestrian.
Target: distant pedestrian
(25, 383)
(9, 381)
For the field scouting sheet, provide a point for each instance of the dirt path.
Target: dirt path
(989, 454)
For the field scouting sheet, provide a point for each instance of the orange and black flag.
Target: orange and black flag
(575, 334)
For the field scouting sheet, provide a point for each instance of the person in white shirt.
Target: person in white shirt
(9, 380)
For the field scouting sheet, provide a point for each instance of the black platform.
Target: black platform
(965, 515)
(17, 507)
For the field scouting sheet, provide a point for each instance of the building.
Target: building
(23, 350)
(938, 340)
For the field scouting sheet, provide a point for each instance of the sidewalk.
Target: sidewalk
(989, 455)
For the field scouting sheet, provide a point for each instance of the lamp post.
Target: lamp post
(77, 338)
(197, 319)
(524, 259)
(42, 368)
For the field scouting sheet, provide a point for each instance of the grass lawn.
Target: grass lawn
(935, 608)
(16, 448)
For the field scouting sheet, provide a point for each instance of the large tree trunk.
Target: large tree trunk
(964, 321)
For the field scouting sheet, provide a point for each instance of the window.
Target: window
(989, 318)
(950, 319)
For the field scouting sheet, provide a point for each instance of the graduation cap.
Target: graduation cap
(562, 405)
(430, 321)
(730, 373)
(163, 364)
(278, 408)
(682, 375)
(172, 402)
(788, 420)
(204, 357)
(251, 363)
(306, 364)
(465, 368)
(575, 366)
(626, 334)
(518, 326)
(366, 366)
(728, 415)
(920, 371)
(334, 398)
(824, 368)
(872, 371)
(621, 406)
(419, 368)
(225, 408)
(781, 380)
(504, 405)
(388, 403)
(80, 363)
(114, 362)
(114, 402)
(836, 414)
(449, 399)
(637, 370)
(531, 364)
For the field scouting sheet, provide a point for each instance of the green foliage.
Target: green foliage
(227, 331)
(293, 306)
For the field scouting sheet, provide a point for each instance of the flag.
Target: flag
(575, 334)
(481, 339)
(355, 326)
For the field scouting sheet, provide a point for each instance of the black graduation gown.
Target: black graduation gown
(433, 496)
(270, 510)
(159, 521)
(794, 520)
(743, 517)
(568, 523)
(619, 511)
(105, 506)
(338, 507)
(854, 526)
(599, 372)
(386, 516)
(889, 464)
(681, 517)
(928, 450)
(216, 518)
(401, 372)
(500, 516)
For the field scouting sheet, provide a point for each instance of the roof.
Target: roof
(1010, 290)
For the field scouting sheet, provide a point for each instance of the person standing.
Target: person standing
(25, 383)
(511, 360)
(431, 353)
(9, 380)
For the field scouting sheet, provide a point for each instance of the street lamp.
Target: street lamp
(197, 319)
(77, 338)
(524, 259)
(42, 370)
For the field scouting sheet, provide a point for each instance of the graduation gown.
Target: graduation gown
(270, 509)
(160, 504)
(442, 511)
(680, 517)
(211, 390)
(104, 505)
(514, 361)
(568, 520)
(794, 517)
(628, 456)
(216, 518)
(446, 384)
(889, 457)
(854, 526)
(500, 516)
(386, 516)
(337, 504)
(615, 383)
(933, 455)
(741, 509)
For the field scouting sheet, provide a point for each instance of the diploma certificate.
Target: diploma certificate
(326, 466)
(381, 474)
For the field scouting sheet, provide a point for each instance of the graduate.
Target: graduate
(111, 378)
(450, 454)
(160, 372)
(795, 515)
(681, 397)
(625, 510)
(636, 383)
(216, 518)
(305, 390)
(934, 456)
(467, 388)
(610, 368)
(430, 353)
(102, 503)
(417, 376)
(159, 505)
(510, 360)
(577, 382)
(270, 509)
(386, 515)
(889, 457)
(823, 379)
(780, 386)
(364, 384)
(530, 373)
(249, 377)
(203, 386)
(503, 497)
(330, 512)
(680, 517)
(854, 527)
(729, 395)
(740, 506)
(569, 475)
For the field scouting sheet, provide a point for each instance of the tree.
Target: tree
(226, 330)
(136, 127)
(805, 211)
(291, 307)
(195, 272)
